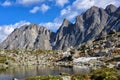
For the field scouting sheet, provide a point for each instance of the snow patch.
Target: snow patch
(85, 59)
(66, 54)
(81, 67)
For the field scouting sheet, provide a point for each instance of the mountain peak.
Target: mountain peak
(111, 6)
(94, 8)
(110, 9)
(30, 36)
(30, 26)
(66, 22)
(89, 26)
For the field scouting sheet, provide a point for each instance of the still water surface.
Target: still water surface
(22, 72)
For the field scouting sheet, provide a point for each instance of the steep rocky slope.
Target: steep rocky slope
(28, 37)
(90, 25)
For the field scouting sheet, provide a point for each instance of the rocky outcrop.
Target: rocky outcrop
(113, 21)
(110, 9)
(28, 37)
(28, 57)
(64, 36)
(89, 26)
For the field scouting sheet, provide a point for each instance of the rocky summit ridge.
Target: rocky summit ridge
(28, 37)
(90, 25)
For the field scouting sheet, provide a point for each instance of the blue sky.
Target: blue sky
(16, 12)
(49, 13)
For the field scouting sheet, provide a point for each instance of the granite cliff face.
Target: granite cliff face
(28, 37)
(90, 25)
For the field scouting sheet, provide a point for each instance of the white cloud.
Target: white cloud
(6, 3)
(78, 6)
(85, 4)
(43, 8)
(28, 2)
(61, 2)
(70, 12)
(53, 26)
(5, 30)
(35, 9)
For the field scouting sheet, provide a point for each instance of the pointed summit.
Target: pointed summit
(88, 26)
(91, 11)
(93, 8)
(110, 9)
(28, 37)
(66, 22)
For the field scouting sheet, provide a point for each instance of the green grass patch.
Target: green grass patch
(105, 74)
(2, 70)
(99, 74)
(45, 78)
(3, 59)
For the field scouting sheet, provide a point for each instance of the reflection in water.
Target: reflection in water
(81, 70)
(21, 72)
